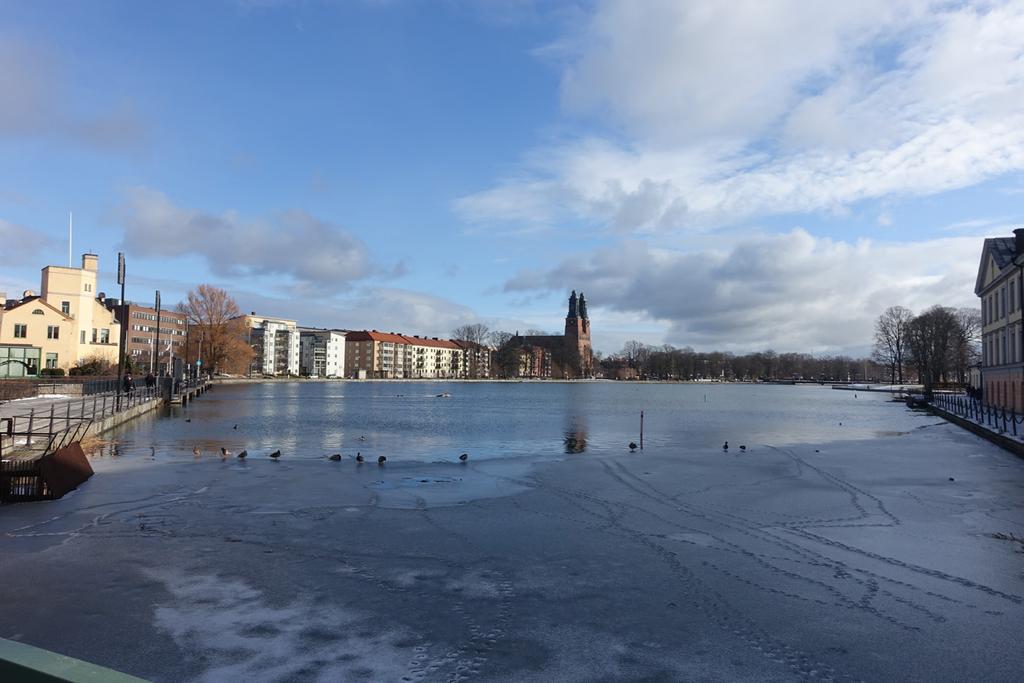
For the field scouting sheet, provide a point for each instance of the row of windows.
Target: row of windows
(21, 331)
(999, 348)
(149, 341)
(170, 332)
(1000, 302)
(164, 318)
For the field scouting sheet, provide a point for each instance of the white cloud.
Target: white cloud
(37, 101)
(729, 111)
(790, 291)
(292, 243)
(20, 243)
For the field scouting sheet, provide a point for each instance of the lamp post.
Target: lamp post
(123, 307)
(156, 345)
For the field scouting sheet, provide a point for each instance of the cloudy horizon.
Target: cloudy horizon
(735, 176)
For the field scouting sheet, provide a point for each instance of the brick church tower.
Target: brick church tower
(577, 338)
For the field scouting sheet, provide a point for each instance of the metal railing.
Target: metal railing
(972, 409)
(11, 389)
(43, 430)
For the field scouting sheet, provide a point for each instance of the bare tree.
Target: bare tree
(506, 356)
(636, 353)
(478, 333)
(891, 331)
(966, 343)
(217, 333)
(931, 340)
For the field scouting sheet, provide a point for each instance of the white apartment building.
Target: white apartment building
(276, 343)
(321, 352)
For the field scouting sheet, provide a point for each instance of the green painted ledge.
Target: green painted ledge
(20, 663)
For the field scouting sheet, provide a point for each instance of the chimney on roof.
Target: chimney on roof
(1018, 237)
(27, 293)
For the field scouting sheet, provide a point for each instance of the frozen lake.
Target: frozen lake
(835, 548)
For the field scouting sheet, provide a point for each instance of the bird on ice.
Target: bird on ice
(195, 451)
(632, 446)
(725, 446)
(242, 455)
(464, 457)
(381, 460)
(743, 448)
(276, 454)
(224, 453)
(359, 458)
(334, 458)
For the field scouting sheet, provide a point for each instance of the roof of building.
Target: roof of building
(432, 342)
(1003, 249)
(462, 343)
(374, 335)
(10, 306)
(395, 338)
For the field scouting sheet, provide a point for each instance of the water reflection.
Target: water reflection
(575, 439)
(499, 420)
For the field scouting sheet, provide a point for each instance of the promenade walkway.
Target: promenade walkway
(31, 427)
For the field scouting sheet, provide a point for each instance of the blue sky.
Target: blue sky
(734, 175)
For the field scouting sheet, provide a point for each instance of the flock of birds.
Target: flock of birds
(276, 455)
(336, 457)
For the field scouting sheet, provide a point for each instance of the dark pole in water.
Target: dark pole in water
(641, 430)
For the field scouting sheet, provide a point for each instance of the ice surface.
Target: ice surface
(839, 559)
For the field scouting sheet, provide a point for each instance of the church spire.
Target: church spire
(572, 305)
(583, 307)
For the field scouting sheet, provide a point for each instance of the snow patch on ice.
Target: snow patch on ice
(231, 626)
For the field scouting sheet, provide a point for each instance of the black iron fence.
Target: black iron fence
(45, 429)
(11, 389)
(964, 406)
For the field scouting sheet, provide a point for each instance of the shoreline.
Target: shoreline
(595, 380)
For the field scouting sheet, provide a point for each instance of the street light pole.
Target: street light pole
(123, 307)
(156, 345)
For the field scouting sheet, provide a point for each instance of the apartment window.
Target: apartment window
(51, 360)
(94, 335)
(1013, 298)
(88, 287)
(82, 340)
(20, 331)
(52, 332)
(65, 307)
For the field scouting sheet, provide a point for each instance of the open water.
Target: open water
(427, 421)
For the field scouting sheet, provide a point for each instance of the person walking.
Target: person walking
(128, 383)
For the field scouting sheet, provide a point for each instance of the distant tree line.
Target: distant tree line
(940, 345)
(670, 363)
